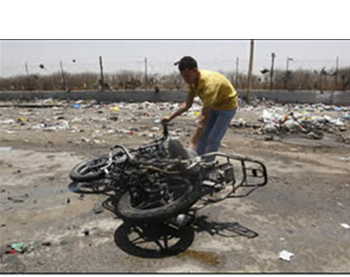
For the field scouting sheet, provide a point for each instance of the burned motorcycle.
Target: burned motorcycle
(160, 183)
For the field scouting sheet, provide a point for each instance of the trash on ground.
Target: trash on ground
(346, 226)
(86, 231)
(345, 158)
(285, 255)
(23, 247)
(21, 119)
(30, 247)
(310, 121)
(17, 199)
(5, 148)
(114, 109)
(76, 106)
(46, 243)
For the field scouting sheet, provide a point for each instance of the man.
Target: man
(219, 105)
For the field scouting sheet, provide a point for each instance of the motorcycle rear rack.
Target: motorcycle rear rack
(253, 176)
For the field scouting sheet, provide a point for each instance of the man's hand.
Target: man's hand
(166, 120)
(180, 110)
(192, 146)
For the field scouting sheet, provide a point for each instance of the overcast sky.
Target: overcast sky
(161, 54)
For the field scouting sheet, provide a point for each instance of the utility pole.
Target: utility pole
(287, 74)
(145, 73)
(250, 70)
(63, 78)
(273, 56)
(101, 71)
(26, 66)
(237, 67)
(287, 64)
(336, 73)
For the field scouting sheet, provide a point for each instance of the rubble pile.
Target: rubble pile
(305, 120)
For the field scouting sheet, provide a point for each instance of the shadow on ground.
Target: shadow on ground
(158, 240)
(164, 240)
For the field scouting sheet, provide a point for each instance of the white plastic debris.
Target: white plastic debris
(268, 116)
(346, 226)
(8, 121)
(285, 255)
(5, 148)
(291, 124)
(270, 128)
(339, 123)
(154, 129)
(345, 158)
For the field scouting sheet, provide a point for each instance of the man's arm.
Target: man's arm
(200, 127)
(189, 102)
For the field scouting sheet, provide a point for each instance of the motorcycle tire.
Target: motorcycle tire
(128, 213)
(81, 172)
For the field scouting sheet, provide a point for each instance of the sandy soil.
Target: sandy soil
(300, 210)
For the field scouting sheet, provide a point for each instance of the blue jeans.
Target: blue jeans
(214, 131)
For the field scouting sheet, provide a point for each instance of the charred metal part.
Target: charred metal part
(152, 179)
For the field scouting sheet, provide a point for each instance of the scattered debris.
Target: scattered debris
(76, 106)
(98, 208)
(86, 231)
(285, 255)
(308, 121)
(345, 158)
(21, 247)
(346, 226)
(6, 148)
(30, 247)
(18, 199)
(114, 109)
(276, 122)
(46, 243)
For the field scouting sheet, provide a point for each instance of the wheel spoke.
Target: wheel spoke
(83, 171)
(159, 244)
(145, 204)
(166, 246)
(135, 240)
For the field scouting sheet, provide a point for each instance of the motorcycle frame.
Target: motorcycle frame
(257, 173)
(205, 167)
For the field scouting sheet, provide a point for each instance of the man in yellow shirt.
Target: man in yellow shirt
(219, 105)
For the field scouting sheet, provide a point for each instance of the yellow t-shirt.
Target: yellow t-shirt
(215, 90)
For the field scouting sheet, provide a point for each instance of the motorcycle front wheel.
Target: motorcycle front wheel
(183, 196)
(88, 171)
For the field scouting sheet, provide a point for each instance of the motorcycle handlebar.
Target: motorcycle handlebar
(128, 153)
(165, 132)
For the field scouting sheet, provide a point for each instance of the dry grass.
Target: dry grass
(297, 80)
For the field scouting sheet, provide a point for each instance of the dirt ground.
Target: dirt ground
(300, 210)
